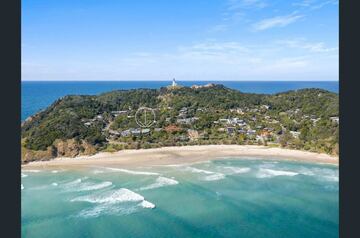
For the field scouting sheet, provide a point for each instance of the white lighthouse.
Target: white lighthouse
(174, 83)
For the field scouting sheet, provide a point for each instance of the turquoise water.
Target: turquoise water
(222, 198)
(38, 95)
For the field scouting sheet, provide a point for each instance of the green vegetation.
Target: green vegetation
(304, 119)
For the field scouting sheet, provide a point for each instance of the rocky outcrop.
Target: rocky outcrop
(60, 148)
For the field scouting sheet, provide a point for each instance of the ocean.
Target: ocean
(36, 96)
(231, 197)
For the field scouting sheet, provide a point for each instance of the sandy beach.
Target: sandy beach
(180, 155)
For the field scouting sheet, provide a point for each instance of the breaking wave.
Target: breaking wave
(132, 171)
(106, 209)
(195, 170)
(211, 176)
(93, 186)
(117, 196)
(146, 204)
(24, 175)
(330, 175)
(73, 183)
(160, 182)
(31, 170)
(214, 177)
(268, 173)
(236, 170)
(22, 187)
(110, 203)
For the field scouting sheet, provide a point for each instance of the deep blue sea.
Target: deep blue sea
(38, 95)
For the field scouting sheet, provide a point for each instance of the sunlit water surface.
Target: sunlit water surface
(222, 198)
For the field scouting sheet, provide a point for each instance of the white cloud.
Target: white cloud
(315, 4)
(237, 4)
(316, 47)
(278, 21)
(208, 60)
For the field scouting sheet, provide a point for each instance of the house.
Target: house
(182, 138)
(87, 124)
(114, 133)
(251, 132)
(225, 121)
(183, 110)
(145, 131)
(242, 131)
(314, 120)
(295, 134)
(193, 134)
(237, 110)
(187, 120)
(117, 113)
(135, 132)
(230, 130)
(158, 129)
(266, 107)
(221, 130)
(172, 128)
(125, 133)
(265, 134)
(335, 119)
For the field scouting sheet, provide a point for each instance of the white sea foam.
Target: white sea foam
(268, 173)
(54, 184)
(114, 196)
(214, 177)
(132, 171)
(236, 170)
(54, 171)
(196, 170)
(331, 175)
(185, 164)
(160, 182)
(73, 183)
(211, 176)
(146, 204)
(24, 175)
(93, 186)
(22, 187)
(110, 203)
(31, 170)
(106, 209)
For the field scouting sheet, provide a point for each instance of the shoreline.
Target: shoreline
(182, 154)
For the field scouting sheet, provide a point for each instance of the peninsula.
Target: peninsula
(82, 125)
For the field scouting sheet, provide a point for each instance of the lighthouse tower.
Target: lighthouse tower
(174, 83)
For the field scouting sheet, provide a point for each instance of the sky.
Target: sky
(230, 40)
